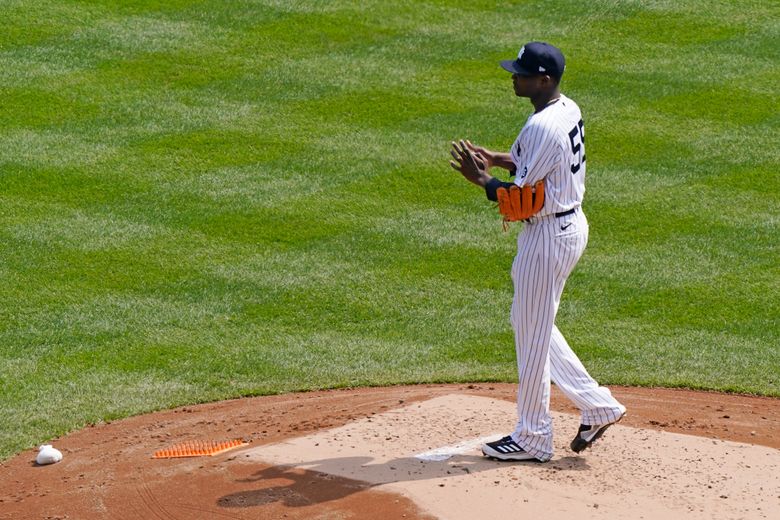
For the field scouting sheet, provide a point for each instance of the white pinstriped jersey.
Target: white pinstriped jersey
(551, 146)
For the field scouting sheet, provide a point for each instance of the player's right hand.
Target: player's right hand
(482, 152)
(469, 164)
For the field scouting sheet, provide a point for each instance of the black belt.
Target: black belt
(564, 213)
(557, 215)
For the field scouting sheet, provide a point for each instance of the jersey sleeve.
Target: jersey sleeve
(536, 153)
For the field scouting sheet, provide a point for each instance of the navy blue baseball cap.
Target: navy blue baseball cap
(537, 58)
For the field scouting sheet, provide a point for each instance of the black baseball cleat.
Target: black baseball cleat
(588, 434)
(506, 449)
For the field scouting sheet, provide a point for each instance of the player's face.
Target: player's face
(525, 86)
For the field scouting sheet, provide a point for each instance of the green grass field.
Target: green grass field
(210, 199)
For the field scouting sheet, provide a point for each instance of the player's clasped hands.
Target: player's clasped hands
(469, 162)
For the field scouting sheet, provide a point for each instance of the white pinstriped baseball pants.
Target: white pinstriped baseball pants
(548, 248)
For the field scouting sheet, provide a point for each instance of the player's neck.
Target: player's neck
(545, 99)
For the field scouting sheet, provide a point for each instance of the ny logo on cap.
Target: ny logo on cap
(520, 54)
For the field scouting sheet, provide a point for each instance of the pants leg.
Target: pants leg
(533, 314)
(546, 255)
(568, 373)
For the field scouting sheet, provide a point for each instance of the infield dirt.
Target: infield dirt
(410, 452)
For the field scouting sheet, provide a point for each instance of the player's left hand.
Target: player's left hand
(469, 164)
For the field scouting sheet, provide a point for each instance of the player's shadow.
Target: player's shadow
(315, 482)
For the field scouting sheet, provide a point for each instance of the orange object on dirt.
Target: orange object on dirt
(197, 448)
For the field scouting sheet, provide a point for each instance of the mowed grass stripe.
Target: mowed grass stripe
(205, 200)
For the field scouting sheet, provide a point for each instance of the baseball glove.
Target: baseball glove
(518, 203)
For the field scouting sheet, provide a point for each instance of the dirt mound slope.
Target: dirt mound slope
(108, 472)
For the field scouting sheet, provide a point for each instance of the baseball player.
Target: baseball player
(547, 161)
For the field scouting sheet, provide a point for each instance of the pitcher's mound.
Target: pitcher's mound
(411, 452)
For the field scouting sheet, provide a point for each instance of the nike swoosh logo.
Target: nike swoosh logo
(563, 228)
